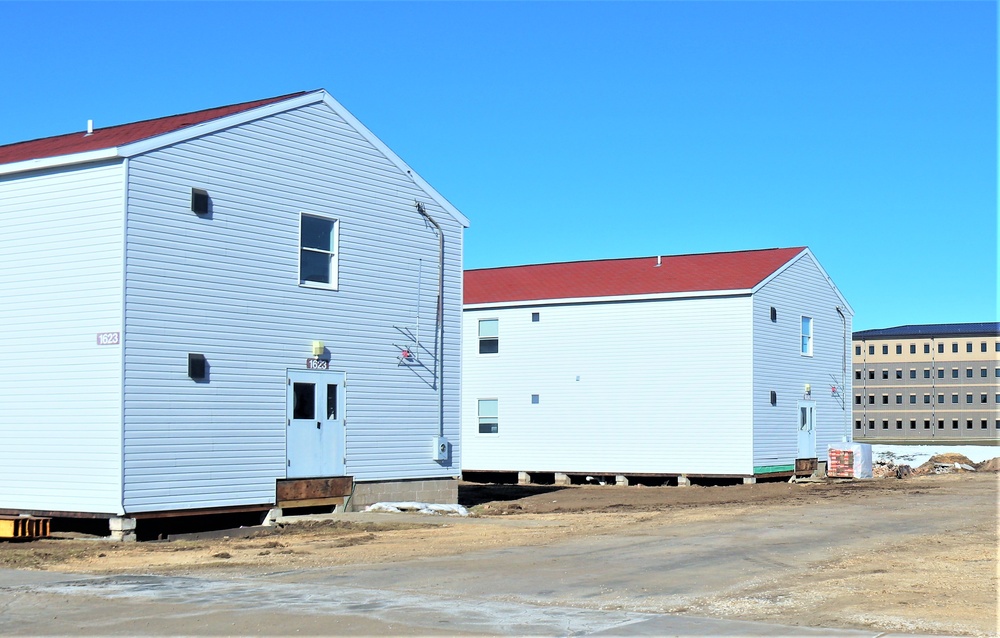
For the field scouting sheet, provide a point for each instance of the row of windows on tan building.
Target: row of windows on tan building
(941, 348)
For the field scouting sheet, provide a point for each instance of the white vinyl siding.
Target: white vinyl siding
(643, 387)
(60, 392)
(800, 290)
(227, 286)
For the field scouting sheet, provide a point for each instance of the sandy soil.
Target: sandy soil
(945, 582)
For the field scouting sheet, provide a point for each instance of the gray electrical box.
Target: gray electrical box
(441, 448)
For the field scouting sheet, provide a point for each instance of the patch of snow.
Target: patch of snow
(421, 508)
(918, 454)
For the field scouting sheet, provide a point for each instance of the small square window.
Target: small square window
(899, 424)
(857, 399)
(968, 424)
(940, 373)
(489, 336)
(968, 373)
(899, 399)
(968, 347)
(954, 398)
(954, 424)
(927, 348)
(871, 349)
(899, 374)
(871, 399)
(913, 424)
(983, 398)
(954, 373)
(534, 399)
(954, 347)
(983, 373)
(857, 425)
(968, 398)
(535, 317)
(940, 398)
(913, 399)
(885, 374)
(927, 373)
(940, 424)
(857, 350)
(871, 374)
(885, 349)
(885, 399)
(885, 424)
(913, 373)
(927, 398)
(899, 349)
(940, 348)
(913, 348)
(983, 424)
(871, 425)
(927, 424)
(857, 375)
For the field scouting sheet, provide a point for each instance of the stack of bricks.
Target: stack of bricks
(841, 464)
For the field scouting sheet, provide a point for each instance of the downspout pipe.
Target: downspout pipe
(440, 316)
(843, 376)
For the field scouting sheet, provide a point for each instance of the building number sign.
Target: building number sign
(108, 338)
(317, 364)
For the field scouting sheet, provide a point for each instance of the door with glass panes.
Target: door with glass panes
(315, 436)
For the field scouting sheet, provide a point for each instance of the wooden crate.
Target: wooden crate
(24, 527)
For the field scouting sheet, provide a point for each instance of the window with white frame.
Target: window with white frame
(807, 336)
(489, 336)
(489, 422)
(318, 251)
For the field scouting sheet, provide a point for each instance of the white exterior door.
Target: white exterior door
(807, 430)
(315, 433)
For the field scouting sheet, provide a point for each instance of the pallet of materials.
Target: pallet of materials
(849, 460)
(24, 527)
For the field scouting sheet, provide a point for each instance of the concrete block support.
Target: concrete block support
(523, 478)
(562, 479)
(272, 517)
(122, 529)
(683, 481)
(621, 480)
(749, 480)
(444, 490)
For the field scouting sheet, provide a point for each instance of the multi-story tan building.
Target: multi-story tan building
(927, 384)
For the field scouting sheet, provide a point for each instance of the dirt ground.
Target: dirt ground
(946, 582)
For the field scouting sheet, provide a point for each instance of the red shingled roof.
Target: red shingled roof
(613, 277)
(113, 136)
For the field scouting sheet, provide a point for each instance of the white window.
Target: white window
(489, 336)
(807, 336)
(488, 413)
(318, 251)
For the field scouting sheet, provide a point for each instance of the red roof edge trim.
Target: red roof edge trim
(120, 134)
(705, 272)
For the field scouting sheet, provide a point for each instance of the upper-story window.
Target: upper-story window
(885, 349)
(489, 336)
(318, 251)
(807, 336)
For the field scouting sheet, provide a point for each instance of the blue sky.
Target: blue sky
(566, 131)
